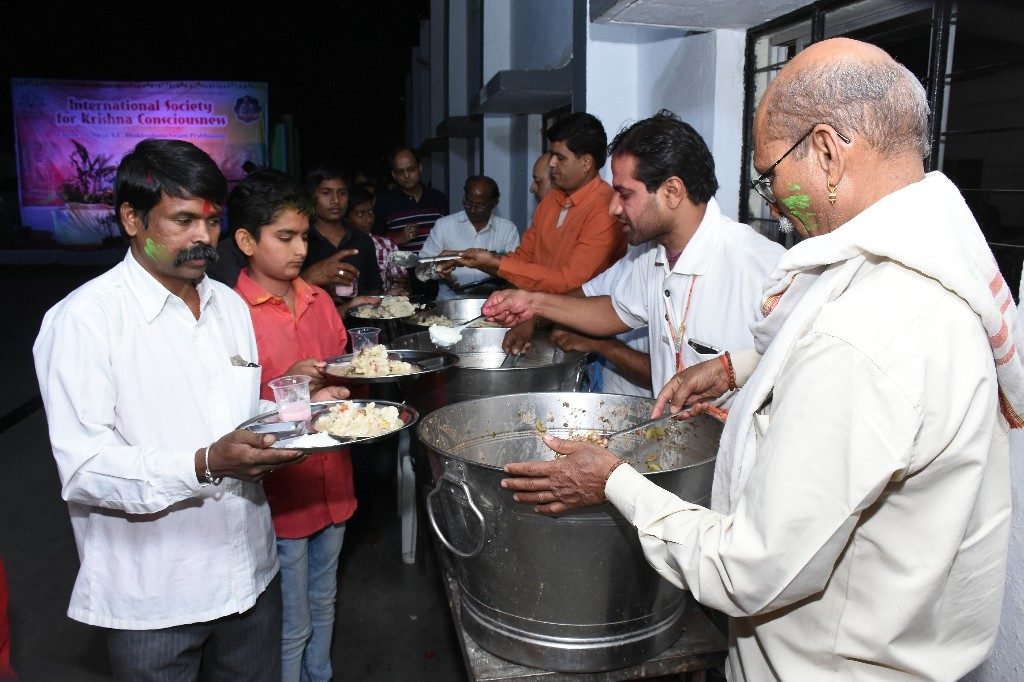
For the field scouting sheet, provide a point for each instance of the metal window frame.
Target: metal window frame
(936, 83)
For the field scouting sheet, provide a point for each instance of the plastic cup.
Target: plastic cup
(363, 337)
(292, 396)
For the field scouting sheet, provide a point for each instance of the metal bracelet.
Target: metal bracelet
(207, 474)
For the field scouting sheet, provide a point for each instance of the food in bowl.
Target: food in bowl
(390, 307)
(359, 420)
(372, 361)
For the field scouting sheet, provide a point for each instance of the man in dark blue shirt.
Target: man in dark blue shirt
(337, 257)
(407, 212)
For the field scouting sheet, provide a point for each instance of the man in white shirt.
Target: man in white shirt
(475, 226)
(696, 283)
(861, 503)
(623, 365)
(145, 372)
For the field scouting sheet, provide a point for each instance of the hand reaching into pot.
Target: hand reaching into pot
(509, 307)
(571, 482)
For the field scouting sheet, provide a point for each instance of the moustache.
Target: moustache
(197, 252)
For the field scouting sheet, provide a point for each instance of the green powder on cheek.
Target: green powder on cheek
(157, 252)
(799, 205)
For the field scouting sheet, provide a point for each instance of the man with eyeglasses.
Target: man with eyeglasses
(861, 503)
(474, 227)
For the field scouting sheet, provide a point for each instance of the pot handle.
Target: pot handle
(437, 529)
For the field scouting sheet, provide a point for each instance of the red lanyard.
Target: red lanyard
(679, 333)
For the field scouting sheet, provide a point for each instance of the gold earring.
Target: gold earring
(831, 193)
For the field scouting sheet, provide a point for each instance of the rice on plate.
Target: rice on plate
(353, 419)
(390, 307)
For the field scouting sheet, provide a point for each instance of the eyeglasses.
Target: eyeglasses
(473, 206)
(763, 184)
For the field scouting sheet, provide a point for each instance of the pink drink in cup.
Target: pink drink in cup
(292, 396)
(293, 412)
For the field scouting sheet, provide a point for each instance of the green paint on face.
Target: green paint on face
(157, 252)
(799, 205)
(794, 187)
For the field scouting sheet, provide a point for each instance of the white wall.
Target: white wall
(612, 83)
(460, 163)
(632, 72)
(497, 56)
(541, 33)
(525, 34)
(436, 171)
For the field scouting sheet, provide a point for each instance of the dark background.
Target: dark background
(339, 68)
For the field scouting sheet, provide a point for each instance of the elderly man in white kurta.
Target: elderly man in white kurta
(861, 499)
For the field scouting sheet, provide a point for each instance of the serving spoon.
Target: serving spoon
(410, 259)
(641, 425)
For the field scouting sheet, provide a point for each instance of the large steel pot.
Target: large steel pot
(479, 373)
(572, 593)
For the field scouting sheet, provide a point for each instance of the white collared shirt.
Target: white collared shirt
(603, 285)
(726, 263)
(455, 232)
(133, 385)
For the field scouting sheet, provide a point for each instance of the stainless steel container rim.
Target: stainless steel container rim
(564, 357)
(425, 423)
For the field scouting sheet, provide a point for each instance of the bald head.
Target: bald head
(853, 86)
(541, 184)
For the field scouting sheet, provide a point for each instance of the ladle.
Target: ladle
(641, 425)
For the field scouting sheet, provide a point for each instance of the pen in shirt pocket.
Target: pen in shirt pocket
(703, 348)
(239, 361)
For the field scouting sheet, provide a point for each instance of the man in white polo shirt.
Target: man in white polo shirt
(696, 283)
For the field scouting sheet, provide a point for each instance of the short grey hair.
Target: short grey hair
(878, 100)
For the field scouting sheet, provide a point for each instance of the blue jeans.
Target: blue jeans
(309, 585)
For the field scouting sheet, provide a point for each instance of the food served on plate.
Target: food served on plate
(359, 420)
(388, 308)
(309, 440)
(373, 361)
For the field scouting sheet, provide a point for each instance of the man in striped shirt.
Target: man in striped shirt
(407, 212)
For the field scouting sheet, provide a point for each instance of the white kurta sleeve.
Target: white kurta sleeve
(839, 431)
(97, 467)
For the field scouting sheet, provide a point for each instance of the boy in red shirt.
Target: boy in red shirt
(311, 501)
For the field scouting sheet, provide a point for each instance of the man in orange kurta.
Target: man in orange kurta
(572, 236)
